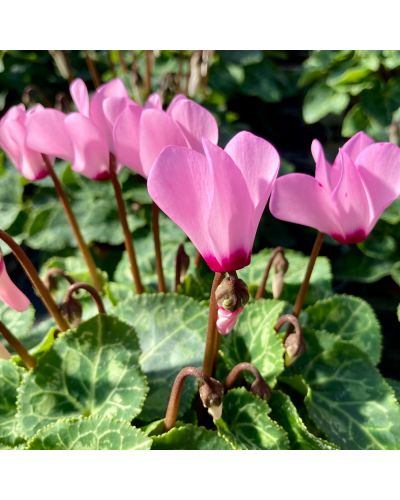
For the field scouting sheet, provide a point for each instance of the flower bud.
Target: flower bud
(71, 310)
(226, 320)
(232, 293)
(261, 389)
(211, 392)
(281, 266)
(294, 346)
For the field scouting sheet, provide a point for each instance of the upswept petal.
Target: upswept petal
(351, 201)
(301, 199)
(91, 156)
(183, 174)
(356, 144)
(174, 102)
(10, 293)
(379, 166)
(196, 122)
(126, 138)
(322, 166)
(259, 163)
(47, 134)
(112, 108)
(231, 223)
(153, 101)
(80, 96)
(156, 131)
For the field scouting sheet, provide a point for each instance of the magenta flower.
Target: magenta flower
(13, 135)
(9, 293)
(345, 199)
(84, 138)
(218, 197)
(226, 320)
(140, 134)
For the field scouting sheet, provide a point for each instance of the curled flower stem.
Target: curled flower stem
(210, 390)
(294, 341)
(258, 387)
(155, 215)
(298, 305)
(92, 70)
(28, 360)
(210, 352)
(55, 272)
(33, 276)
(129, 246)
(261, 288)
(83, 247)
(93, 292)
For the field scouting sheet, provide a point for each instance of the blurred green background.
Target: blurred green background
(287, 97)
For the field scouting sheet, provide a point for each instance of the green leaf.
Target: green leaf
(10, 198)
(190, 437)
(254, 339)
(347, 398)
(395, 385)
(285, 413)
(92, 433)
(171, 330)
(352, 319)
(321, 100)
(20, 324)
(320, 283)
(355, 266)
(93, 370)
(10, 377)
(245, 423)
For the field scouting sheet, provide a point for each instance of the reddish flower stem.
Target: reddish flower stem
(129, 246)
(83, 247)
(261, 288)
(28, 360)
(93, 292)
(155, 216)
(210, 352)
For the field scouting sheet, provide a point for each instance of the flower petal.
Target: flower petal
(259, 163)
(91, 155)
(80, 96)
(157, 130)
(351, 202)
(231, 224)
(322, 167)
(47, 134)
(181, 184)
(301, 199)
(356, 144)
(196, 122)
(10, 293)
(126, 138)
(379, 166)
(153, 101)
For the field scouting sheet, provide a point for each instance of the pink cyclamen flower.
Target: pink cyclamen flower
(13, 140)
(226, 320)
(217, 198)
(345, 199)
(9, 293)
(84, 138)
(140, 134)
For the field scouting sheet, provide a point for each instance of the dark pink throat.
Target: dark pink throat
(351, 238)
(237, 260)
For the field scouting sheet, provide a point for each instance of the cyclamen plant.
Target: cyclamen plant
(117, 378)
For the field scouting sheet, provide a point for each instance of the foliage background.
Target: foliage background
(287, 97)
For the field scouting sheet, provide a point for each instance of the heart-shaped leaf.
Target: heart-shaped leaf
(190, 437)
(10, 378)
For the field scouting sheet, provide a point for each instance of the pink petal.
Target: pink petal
(301, 199)
(322, 167)
(80, 96)
(259, 163)
(113, 107)
(379, 166)
(9, 293)
(47, 134)
(181, 184)
(157, 130)
(351, 202)
(126, 138)
(231, 223)
(356, 144)
(91, 155)
(226, 320)
(195, 121)
(153, 101)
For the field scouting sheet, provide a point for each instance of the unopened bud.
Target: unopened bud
(211, 392)
(294, 346)
(226, 320)
(71, 310)
(232, 293)
(261, 389)
(281, 266)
